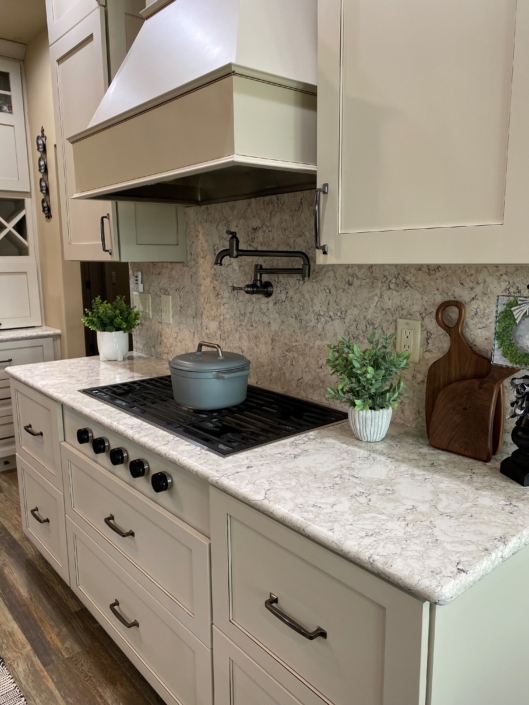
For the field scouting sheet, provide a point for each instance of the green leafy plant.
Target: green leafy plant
(365, 377)
(506, 325)
(107, 317)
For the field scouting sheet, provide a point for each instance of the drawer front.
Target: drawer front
(38, 422)
(7, 428)
(170, 553)
(6, 407)
(241, 681)
(24, 352)
(188, 498)
(43, 519)
(368, 643)
(173, 660)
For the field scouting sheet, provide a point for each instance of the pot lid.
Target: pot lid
(208, 360)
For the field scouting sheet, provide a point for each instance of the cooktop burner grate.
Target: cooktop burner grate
(264, 417)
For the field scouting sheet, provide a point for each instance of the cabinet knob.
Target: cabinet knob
(100, 445)
(118, 456)
(84, 435)
(138, 468)
(161, 482)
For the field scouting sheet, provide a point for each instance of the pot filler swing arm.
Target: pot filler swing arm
(258, 286)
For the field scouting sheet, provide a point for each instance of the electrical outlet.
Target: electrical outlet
(409, 338)
(137, 282)
(143, 303)
(167, 309)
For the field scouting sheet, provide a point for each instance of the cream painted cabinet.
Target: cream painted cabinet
(102, 230)
(423, 131)
(14, 168)
(63, 15)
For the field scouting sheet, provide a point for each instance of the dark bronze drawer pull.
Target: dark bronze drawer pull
(29, 429)
(273, 600)
(3, 362)
(108, 521)
(35, 514)
(121, 618)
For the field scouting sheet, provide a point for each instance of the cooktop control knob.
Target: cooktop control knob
(139, 468)
(100, 445)
(118, 456)
(161, 481)
(84, 435)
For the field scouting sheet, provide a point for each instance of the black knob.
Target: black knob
(100, 445)
(138, 468)
(118, 456)
(84, 435)
(161, 481)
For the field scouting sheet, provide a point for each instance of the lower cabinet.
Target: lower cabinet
(42, 507)
(352, 638)
(171, 658)
(241, 681)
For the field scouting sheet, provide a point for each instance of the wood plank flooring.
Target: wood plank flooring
(53, 647)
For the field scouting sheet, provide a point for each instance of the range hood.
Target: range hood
(215, 101)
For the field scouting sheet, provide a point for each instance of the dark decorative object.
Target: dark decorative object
(516, 466)
(43, 169)
(41, 141)
(258, 286)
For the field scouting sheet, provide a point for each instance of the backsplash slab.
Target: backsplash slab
(285, 337)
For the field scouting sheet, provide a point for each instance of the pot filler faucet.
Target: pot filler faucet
(258, 286)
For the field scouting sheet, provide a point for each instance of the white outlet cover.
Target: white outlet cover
(406, 324)
(167, 309)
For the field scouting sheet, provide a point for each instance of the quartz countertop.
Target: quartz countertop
(430, 522)
(27, 333)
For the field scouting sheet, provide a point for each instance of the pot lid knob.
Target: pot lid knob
(210, 345)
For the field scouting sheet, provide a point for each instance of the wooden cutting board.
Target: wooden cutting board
(460, 363)
(463, 418)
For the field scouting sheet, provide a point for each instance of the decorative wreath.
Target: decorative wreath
(506, 325)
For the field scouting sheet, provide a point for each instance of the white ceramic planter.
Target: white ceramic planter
(112, 346)
(370, 425)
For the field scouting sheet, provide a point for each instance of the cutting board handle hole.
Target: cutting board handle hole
(450, 315)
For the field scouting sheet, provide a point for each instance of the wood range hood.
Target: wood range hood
(216, 101)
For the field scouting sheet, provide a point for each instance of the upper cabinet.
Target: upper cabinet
(63, 15)
(82, 61)
(423, 131)
(14, 170)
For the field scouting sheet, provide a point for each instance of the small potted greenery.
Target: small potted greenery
(366, 383)
(113, 322)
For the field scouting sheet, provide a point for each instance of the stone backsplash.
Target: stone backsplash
(285, 337)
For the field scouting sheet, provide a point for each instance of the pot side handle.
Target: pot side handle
(231, 375)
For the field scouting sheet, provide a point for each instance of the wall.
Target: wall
(61, 281)
(285, 337)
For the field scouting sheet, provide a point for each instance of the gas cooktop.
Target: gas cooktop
(263, 418)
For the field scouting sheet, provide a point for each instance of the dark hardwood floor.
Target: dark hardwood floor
(55, 650)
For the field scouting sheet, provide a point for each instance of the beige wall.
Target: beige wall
(61, 280)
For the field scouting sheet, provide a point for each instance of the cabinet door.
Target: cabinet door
(151, 232)
(422, 131)
(79, 78)
(63, 15)
(14, 172)
(19, 295)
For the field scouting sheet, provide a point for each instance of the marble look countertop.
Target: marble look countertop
(28, 333)
(427, 521)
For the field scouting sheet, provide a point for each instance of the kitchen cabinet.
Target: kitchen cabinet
(103, 230)
(422, 131)
(63, 15)
(14, 167)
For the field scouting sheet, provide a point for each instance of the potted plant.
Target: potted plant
(113, 322)
(366, 383)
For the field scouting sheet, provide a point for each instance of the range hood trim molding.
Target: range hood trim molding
(223, 163)
(199, 83)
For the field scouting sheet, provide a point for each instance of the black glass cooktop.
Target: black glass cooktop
(264, 416)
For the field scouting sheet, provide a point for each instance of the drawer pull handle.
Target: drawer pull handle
(121, 618)
(35, 514)
(296, 626)
(4, 362)
(108, 521)
(29, 429)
